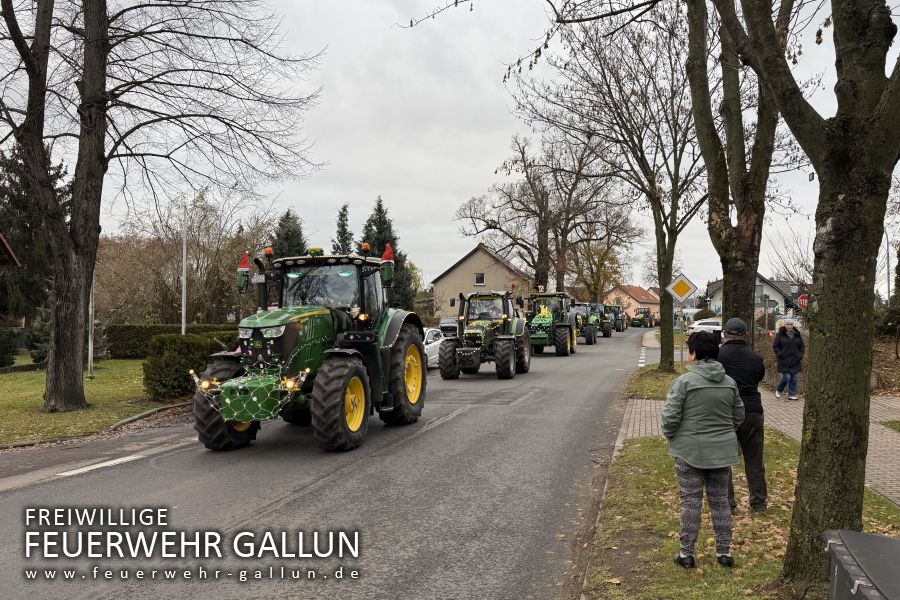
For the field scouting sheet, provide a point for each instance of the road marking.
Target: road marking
(522, 399)
(109, 463)
(441, 420)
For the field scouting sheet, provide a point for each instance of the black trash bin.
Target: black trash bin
(862, 566)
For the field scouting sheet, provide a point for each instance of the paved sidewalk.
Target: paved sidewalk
(882, 466)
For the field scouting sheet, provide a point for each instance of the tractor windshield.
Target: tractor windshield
(551, 302)
(582, 309)
(334, 286)
(485, 309)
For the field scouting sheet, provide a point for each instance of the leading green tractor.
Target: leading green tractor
(552, 323)
(488, 329)
(329, 353)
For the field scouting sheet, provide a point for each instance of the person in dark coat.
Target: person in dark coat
(747, 369)
(789, 349)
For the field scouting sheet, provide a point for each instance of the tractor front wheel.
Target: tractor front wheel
(505, 358)
(407, 378)
(561, 341)
(523, 354)
(340, 403)
(216, 433)
(448, 361)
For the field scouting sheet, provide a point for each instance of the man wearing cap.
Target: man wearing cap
(747, 369)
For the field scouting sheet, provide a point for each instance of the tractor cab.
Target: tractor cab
(552, 323)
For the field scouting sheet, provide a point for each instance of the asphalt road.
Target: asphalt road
(491, 495)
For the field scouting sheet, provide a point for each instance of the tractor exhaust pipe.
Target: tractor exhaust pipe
(262, 287)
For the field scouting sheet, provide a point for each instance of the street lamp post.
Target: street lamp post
(184, 233)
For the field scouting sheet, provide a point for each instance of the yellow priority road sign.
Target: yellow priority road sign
(681, 288)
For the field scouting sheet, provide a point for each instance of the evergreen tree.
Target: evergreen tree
(343, 241)
(24, 290)
(288, 237)
(378, 231)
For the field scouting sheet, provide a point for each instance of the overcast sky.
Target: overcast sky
(421, 117)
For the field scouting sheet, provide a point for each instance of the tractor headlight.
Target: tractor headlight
(272, 332)
(245, 333)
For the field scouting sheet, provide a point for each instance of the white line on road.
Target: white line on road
(109, 463)
(440, 420)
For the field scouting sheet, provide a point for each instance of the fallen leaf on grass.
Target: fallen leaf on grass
(614, 581)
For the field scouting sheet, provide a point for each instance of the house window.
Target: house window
(479, 278)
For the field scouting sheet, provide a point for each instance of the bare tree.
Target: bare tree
(158, 92)
(630, 101)
(598, 263)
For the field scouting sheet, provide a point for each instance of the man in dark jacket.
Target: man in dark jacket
(747, 369)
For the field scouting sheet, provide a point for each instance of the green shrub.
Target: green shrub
(133, 341)
(228, 338)
(887, 320)
(705, 313)
(171, 357)
(767, 322)
(8, 338)
(38, 341)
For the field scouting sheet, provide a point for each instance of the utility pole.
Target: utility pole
(90, 356)
(887, 251)
(184, 233)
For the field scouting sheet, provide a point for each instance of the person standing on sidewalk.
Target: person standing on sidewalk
(702, 411)
(789, 349)
(747, 369)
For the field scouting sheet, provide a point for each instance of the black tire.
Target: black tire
(471, 370)
(523, 354)
(300, 416)
(328, 406)
(561, 341)
(537, 349)
(407, 409)
(590, 336)
(212, 431)
(607, 332)
(448, 361)
(505, 358)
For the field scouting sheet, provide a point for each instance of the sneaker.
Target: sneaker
(685, 561)
(777, 394)
(793, 397)
(725, 560)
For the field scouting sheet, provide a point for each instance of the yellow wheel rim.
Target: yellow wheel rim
(241, 426)
(412, 373)
(574, 340)
(355, 403)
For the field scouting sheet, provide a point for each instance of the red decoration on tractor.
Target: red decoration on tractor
(388, 253)
(245, 262)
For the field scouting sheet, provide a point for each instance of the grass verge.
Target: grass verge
(650, 382)
(637, 534)
(116, 392)
(895, 425)
(23, 359)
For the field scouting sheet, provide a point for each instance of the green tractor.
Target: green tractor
(642, 318)
(604, 319)
(552, 323)
(616, 314)
(489, 329)
(586, 322)
(329, 354)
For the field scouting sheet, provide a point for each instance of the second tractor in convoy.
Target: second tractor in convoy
(552, 323)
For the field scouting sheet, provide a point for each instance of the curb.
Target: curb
(146, 414)
(620, 440)
(112, 427)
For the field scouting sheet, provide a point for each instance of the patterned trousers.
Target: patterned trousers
(691, 483)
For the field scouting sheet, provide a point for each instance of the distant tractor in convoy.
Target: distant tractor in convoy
(643, 318)
(617, 315)
(488, 329)
(586, 322)
(604, 319)
(329, 353)
(552, 323)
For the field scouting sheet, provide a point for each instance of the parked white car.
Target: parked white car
(710, 325)
(433, 339)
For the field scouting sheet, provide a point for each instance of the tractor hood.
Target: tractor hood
(282, 316)
(480, 327)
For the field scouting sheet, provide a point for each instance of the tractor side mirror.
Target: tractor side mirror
(452, 302)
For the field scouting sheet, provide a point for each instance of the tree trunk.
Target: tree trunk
(664, 260)
(831, 475)
(542, 268)
(740, 263)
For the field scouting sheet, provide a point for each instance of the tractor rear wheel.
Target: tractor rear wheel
(340, 403)
(590, 336)
(505, 358)
(212, 430)
(407, 378)
(561, 341)
(448, 361)
(607, 331)
(523, 354)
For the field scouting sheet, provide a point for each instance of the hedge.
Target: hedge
(172, 356)
(133, 341)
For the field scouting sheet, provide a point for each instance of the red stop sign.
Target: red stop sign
(803, 301)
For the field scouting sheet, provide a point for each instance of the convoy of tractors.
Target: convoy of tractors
(325, 349)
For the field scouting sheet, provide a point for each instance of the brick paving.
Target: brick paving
(882, 466)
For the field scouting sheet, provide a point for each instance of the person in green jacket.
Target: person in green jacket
(702, 411)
